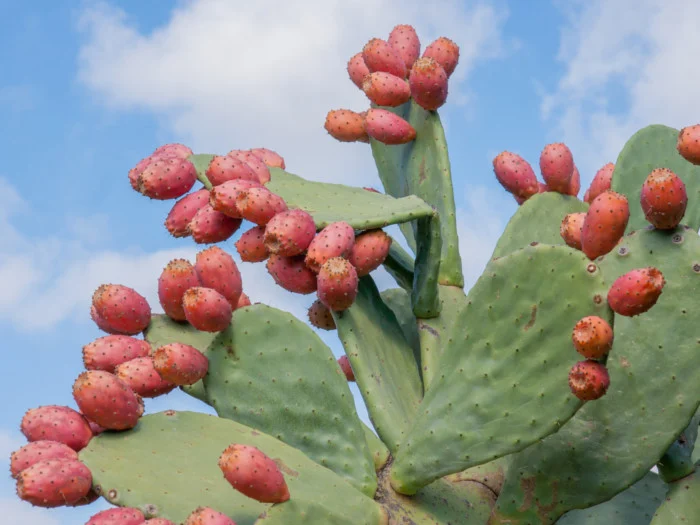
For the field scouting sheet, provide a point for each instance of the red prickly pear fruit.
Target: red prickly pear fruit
(688, 144)
(243, 301)
(574, 183)
(37, 451)
(254, 163)
(346, 125)
(445, 52)
(167, 178)
(254, 474)
(251, 245)
(56, 423)
(100, 322)
(380, 56)
(337, 284)
(335, 240)
(209, 226)
(54, 483)
(96, 429)
(320, 316)
(516, 175)
(122, 308)
(604, 224)
(217, 270)
(223, 197)
(178, 276)
(136, 171)
(183, 212)
(557, 167)
(370, 250)
(428, 83)
(159, 521)
(519, 200)
(404, 39)
(141, 376)
(589, 380)
(592, 337)
(601, 182)
(357, 69)
(388, 128)
(292, 274)
(542, 187)
(571, 228)
(223, 168)
(370, 189)
(105, 353)
(385, 89)
(180, 364)
(173, 150)
(636, 291)
(206, 309)
(89, 498)
(271, 158)
(208, 516)
(586, 196)
(118, 516)
(663, 199)
(107, 400)
(259, 205)
(289, 233)
(346, 368)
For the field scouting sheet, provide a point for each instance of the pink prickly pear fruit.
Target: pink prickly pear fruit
(428, 83)
(208, 516)
(141, 376)
(320, 316)
(688, 144)
(118, 516)
(271, 158)
(206, 309)
(385, 89)
(173, 150)
(574, 183)
(289, 233)
(542, 187)
(337, 284)
(370, 189)
(589, 380)
(346, 125)
(604, 224)
(159, 521)
(357, 69)
(105, 353)
(379, 55)
(664, 199)
(96, 429)
(335, 240)
(292, 274)
(209, 226)
(243, 301)
(254, 474)
(346, 368)
(56, 423)
(388, 128)
(557, 167)
(516, 175)
(571, 228)
(122, 308)
(370, 250)
(592, 337)
(223, 197)
(90, 497)
(251, 245)
(178, 276)
(445, 52)
(100, 322)
(167, 178)
(254, 163)
(601, 182)
(107, 400)
(217, 270)
(136, 171)
(404, 39)
(259, 205)
(37, 451)
(180, 364)
(223, 168)
(636, 291)
(54, 483)
(183, 212)
(519, 200)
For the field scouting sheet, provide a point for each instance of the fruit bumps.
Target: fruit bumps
(254, 474)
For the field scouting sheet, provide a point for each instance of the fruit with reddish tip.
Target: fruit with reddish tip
(105, 353)
(369, 251)
(261, 170)
(180, 364)
(574, 183)
(636, 291)
(37, 451)
(289, 233)
(216, 269)
(167, 178)
(223, 197)
(209, 226)
(592, 337)
(136, 171)
(357, 69)
(428, 83)
(335, 240)
(557, 166)
(183, 212)
(292, 274)
(379, 55)
(604, 224)
(337, 284)
(141, 376)
(445, 52)
(118, 516)
(122, 308)
(404, 39)
(253, 473)
(223, 168)
(385, 89)
(516, 175)
(243, 301)
(56, 423)
(173, 150)
(54, 483)
(601, 182)
(664, 199)
(176, 277)
(251, 245)
(259, 205)
(346, 368)
(100, 322)
(107, 400)
(320, 316)
(688, 144)
(208, 516)
(388, 128)
(346, 125)
(571, 228)
(206, 309)
(589, 380)
(271, 158)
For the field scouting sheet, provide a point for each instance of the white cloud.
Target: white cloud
(14, 510)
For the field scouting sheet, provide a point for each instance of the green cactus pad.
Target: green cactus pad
(383, 362)
(168, 465)
(400, 265)
(502, 383)
(654, 392)
(650, 148)
(682, 504)
(400, 303)
(377, 448)
(491, 474)
(537, 220)
(677, 462)
(425, 298)
(270, 371)
(201, 163)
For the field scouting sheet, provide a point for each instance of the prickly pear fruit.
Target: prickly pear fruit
(254, 474)
(404, 39)
(173, 150)
(105, 353)
(100, 322)
(37, 451)
(243, 301)
(636, 291)
(370, 250)
(216, 269)
(180, 364)
(118, 516)
(557, 166)
(167, 178)
(571, 228)
(254, 163)
(223, 168)
(688, 144)
(208, 516)
(516, 175)
(136, 171)
(428, 83)
(346, 368)
(223, 197)
(445, 52)
(259, 205)
(346, 125)
(601, 182)
(96, 429)
(604, 224)
(271, 158)
(107, 400)
(292, 274)
(54, 482)
(337, 284)
(209, 226)
(663, 199)
(206, 309)
(141, 376)
(56, 423)
(385, 89)
(589, 380)
(158, 521)
(320, 316)
(380, 56)
(335, 240)
(388, 128)
(592, 337)
(122, 308)
(183, 212)
(289, 233)
(251, 245)
(357, 69)
(176, 277)
(574, 183)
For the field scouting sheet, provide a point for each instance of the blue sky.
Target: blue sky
(90, 88)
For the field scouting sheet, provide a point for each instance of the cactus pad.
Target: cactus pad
(682, 504)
